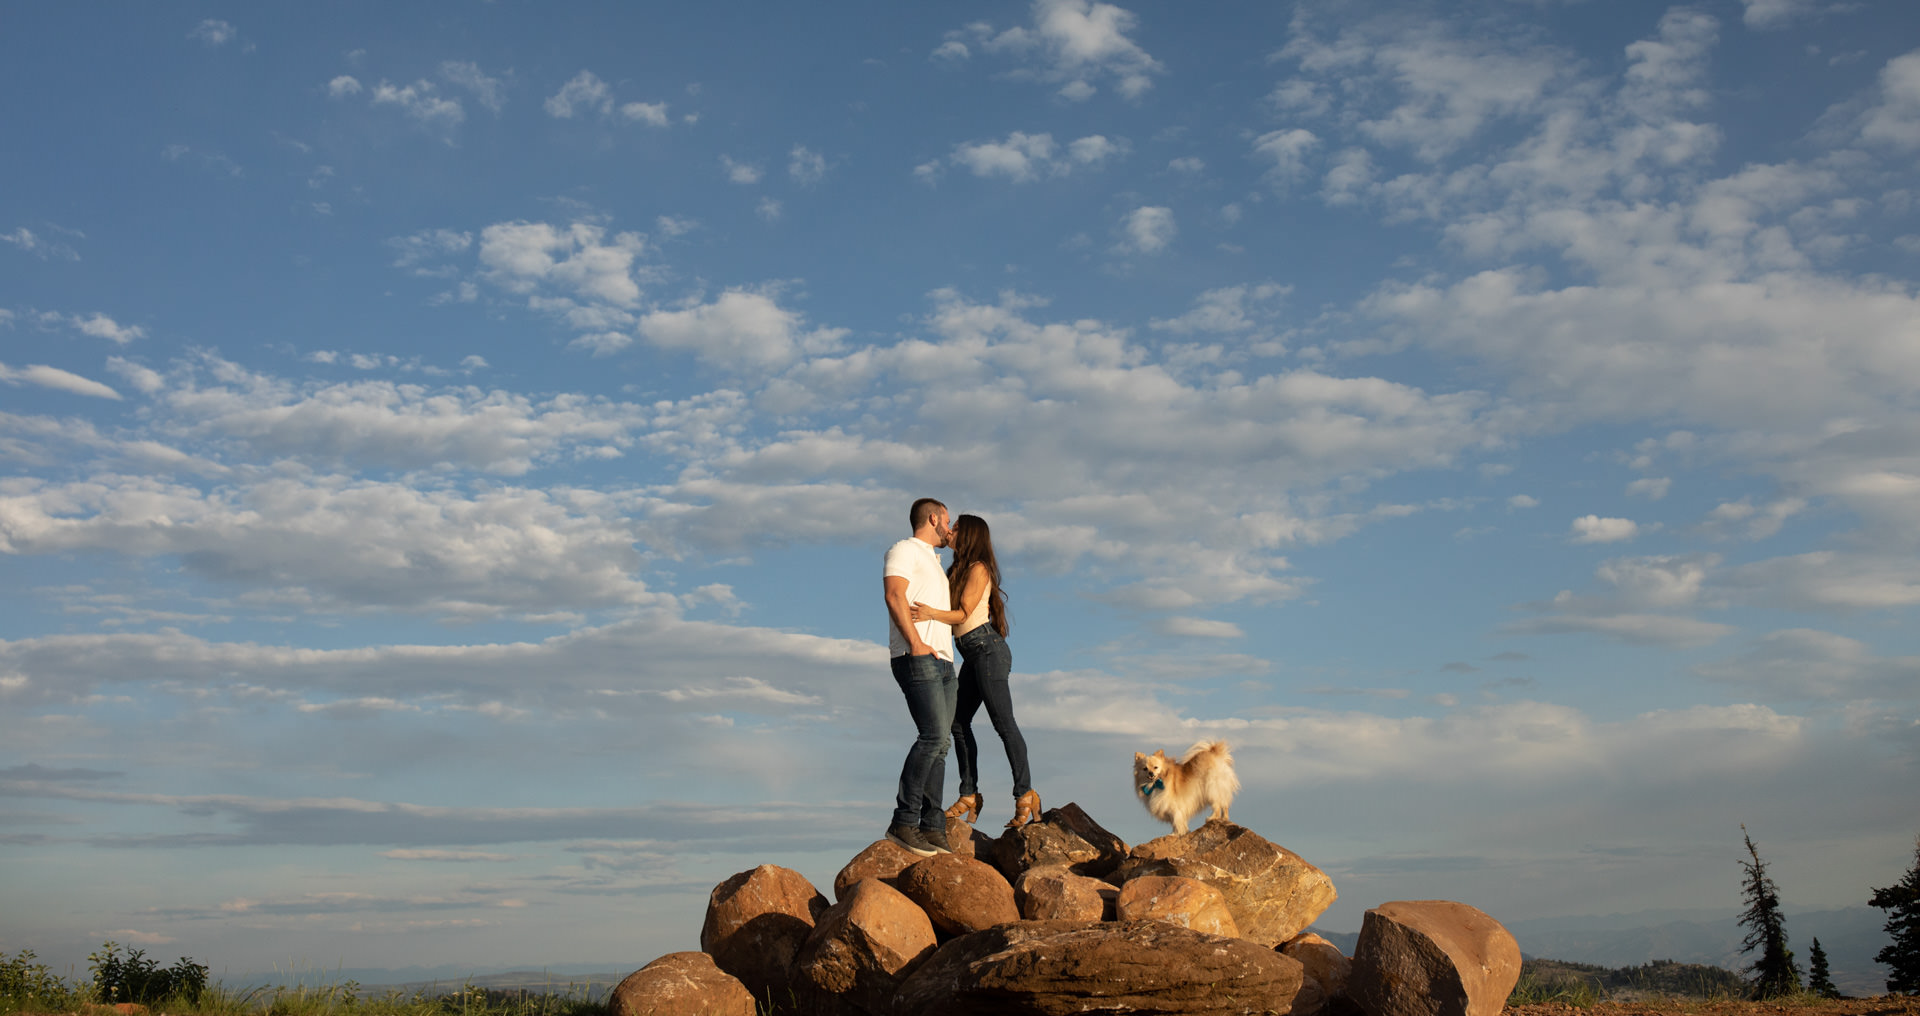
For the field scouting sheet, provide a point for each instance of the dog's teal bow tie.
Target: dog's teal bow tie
(1147, 789)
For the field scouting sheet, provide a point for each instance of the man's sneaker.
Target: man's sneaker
(913, 838)
(937, 839)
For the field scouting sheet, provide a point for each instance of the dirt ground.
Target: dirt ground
(1885, 1005)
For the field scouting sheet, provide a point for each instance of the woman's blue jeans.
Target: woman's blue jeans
(929, 685)
(983, 680)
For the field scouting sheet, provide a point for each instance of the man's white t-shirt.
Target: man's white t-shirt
(917, 562)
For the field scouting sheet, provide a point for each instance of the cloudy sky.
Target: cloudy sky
(446, 452)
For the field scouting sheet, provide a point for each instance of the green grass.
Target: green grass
(28, 987)
(1583, 984)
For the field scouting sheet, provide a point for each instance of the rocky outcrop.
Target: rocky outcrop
(1322, 960)
(861, 949)
(1061, 967)
(1054, 893)
(1273, 893)
(1175, 900)
(959, 894)
(967, 841)
(682, 982)
(756, 922)
(1432, 958)
(883, 859)
(1064, 836)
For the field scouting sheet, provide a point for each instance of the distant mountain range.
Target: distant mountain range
(1850, 936)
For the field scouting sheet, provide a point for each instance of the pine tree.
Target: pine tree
(1901, 901)
(1773, 974)
(1818, 980)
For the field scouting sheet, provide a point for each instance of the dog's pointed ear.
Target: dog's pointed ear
(1137, 757)
(1160, 753)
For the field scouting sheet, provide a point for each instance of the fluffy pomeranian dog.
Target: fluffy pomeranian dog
(1172, 791)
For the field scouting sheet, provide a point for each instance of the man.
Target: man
(923, 668)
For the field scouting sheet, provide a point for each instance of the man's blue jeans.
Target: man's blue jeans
(929, 684)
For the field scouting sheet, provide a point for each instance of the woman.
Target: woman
(979, 631)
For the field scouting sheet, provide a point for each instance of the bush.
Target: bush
(28, 986)
(135, 978)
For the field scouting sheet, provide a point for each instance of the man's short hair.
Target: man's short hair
(923, 510)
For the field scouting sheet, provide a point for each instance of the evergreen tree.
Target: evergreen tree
(1901, 901)
(1818, 980)
(1772, 975)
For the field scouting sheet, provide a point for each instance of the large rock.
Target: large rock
(682, 982)
(883, 859)
(1054, 893)
(959, 894)
(861, 949)
(1186, 902)
(1051, 968)
(1063, 836)
(967, 841)
(1322, 960)
(755, 923)
(1273, 893)
(1432, 958)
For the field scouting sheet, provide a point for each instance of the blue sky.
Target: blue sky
(446, 452)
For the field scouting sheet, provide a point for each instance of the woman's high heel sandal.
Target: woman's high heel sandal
(1026, 808)
(967, 808)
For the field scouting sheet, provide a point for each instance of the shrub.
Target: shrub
(135, 978)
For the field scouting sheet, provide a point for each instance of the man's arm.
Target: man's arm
(902, 614)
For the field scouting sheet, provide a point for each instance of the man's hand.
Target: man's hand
(895, 587)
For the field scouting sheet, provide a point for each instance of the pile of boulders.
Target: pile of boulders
(1059, 916)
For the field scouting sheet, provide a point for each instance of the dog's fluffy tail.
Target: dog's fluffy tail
(1218, 778)
(1218, 749)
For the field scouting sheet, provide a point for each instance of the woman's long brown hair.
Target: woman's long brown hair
(973, 544)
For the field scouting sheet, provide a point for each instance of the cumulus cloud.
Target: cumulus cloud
(1148, 229)
(489, 92)
(1023, 158)
(1594, 529)
(586, 94)
(740, 329)
(1070, 43)
(420, 101)
(344, 85)
(805, 165)
(103, 327)
(213, 32)
(1229, 310)
(57, 379)
(739, 172)
(1806, 663)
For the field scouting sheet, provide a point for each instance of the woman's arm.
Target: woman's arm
(970, 596)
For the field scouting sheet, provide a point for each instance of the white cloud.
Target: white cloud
(55, 378)
(1768, 15)
(213, 32)
(421, 101)
(1188, 164)
(1828, 580)
(1148, 229)
(1072, 43)
(1523, 501)
(1287, 151)
(740, 172)
(1229, 310)
(951, 50)
(1023, 158)
(580, 259)
(584, 93)
(1198, 627)
(103, 327)
(769, 209)
(1806, 663)
(42, 247)
(653, 114)
(490, 92)
(344, 85)
(740, 329)
(1653, 488)
(1634, 629)
(806, 166)
(1594, 529)
(1894, 120)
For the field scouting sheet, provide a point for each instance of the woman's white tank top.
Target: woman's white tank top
(981, 611)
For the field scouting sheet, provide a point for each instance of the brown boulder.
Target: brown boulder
(1272, 892)
(1175, 900)
(1322, 960)
(967, 841)
(1432, 958)
(958, 893)
(883, 859)
(861, 949)
(755, 923)
(682, 982)
(1054, 893)
(1059, 967)
(1063, 836)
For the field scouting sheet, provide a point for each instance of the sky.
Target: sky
(447, 450)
